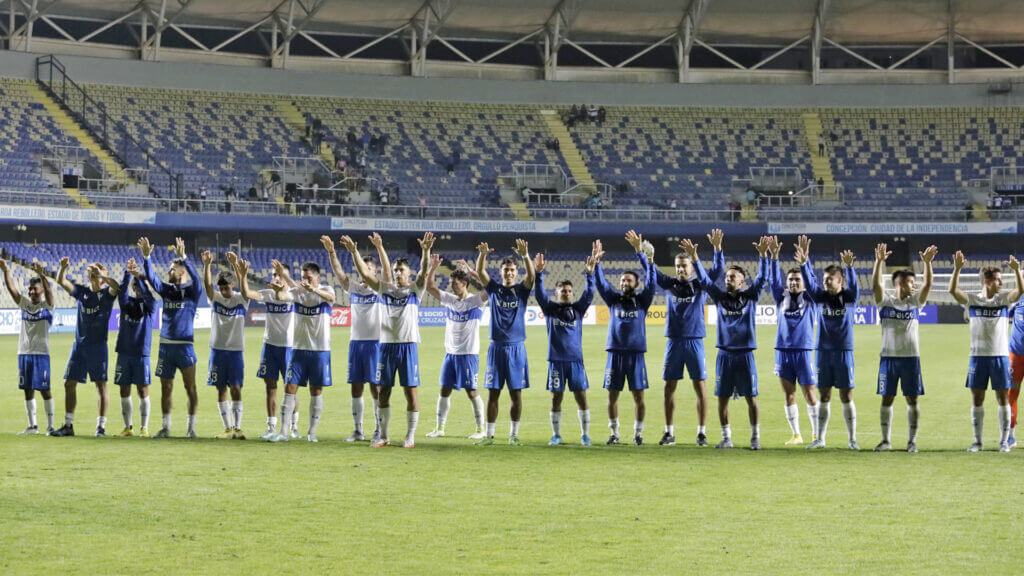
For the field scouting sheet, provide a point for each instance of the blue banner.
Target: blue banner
(432, 316)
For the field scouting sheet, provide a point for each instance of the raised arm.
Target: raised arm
(776, 284)
(523, 250)
(607, 292)
(122, 295)
(361, 268)
(636, 241)
(242, 273)
(114, 285)
(207, 274)
(588, 292)
(852, 290)
(954, 280)
(284, 274)
(429, 285)
(426, 244)
(482, 252)
(927, 256)
(1014, 265)
(327, 295)
(332, 255)
(147, 267)
(195, 291)
(62, 276)
(881, 253)
(763, 268)
(538, 288)
(802, 256)
(688, 247)
(382, 256)
(718, 260)
(47, 287)
(11, 288)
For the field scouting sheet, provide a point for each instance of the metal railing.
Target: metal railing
(540, 212)
(776, 178)
(1007, 178)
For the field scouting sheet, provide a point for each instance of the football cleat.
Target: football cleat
(65, 430)
(585, 440)
(725, 443)
(486, 441)
(409, 443)
(278, 438)
(795, 440)
(163, 433)
(268, 434)
(514, 441)
(311, 438)
(376, 436)
(702, 440)
(817, 443)
(191, 434)
(127, 432)
(436, 433)
(380, 443)
(357, 436)
(101, 432)
(1004, 447)
(667, 440)
(144, 432)
(1012, 440)
(30, 431)
(295, 433)
(755, 443)
(477, 435)
(974, 447)
(853, 445)
(238, 434)
(638, 440)
(556, 440)
(912, 447)
(227, 434)
(612, 440)
(883, 446)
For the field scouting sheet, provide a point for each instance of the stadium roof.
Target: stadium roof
(718, 21)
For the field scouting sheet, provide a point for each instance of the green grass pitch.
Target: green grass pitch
(138, 506)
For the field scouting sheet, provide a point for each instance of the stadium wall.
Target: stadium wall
(201, 76)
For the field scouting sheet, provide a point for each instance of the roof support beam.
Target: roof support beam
(556, 32)
(852, 53)
(780, 52)
(951, 40)
(21, 37)
(425, 24)
(108, 26)
(291, 29)
(817, 34)
(992, 54)
(511, 44)
(686, 34)
(903, 60)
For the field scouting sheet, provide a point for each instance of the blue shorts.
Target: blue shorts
(735, 373)
(131, 370)
(274, 362)
(363, 357)
(623, 366)
(835, 369)
(402, 360)
(87, 360)
(507, 364)
(571, 374)
(227, 368)
(904, 373)
(797, 366)
(459, 371)
(688, 353)
(309, 367)
(984, 369)
(174, 357)
(33, 372)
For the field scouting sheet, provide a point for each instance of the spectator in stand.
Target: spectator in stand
(341, 164)
(672, 204)
(365, 140)
(751, 197)
(592, 113)
(374, 143)
(350, 138)
(601, 114)
(820, 183)
(382, 144)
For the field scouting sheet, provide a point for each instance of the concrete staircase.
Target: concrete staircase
(573, 159)
(821, 165)
(520, 210)
(293, 116)
(979, 213)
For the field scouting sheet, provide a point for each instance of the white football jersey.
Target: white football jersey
(278, 329)
(34, 337)
(227, 321)
(989, 319)
(462, 322)
(365, 308)
(899, 326)
(312, 320)
(400, 314)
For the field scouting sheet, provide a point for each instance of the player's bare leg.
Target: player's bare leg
(669, 437)
(792, 412)
(638, 423)
(613, 417)
(412, 415)
(913, 414)
(885, 418)
(723, 419)
(188, 377)
(1002, 398)
(515, 412)
(754, 413)
(478, 413)
(493, 398)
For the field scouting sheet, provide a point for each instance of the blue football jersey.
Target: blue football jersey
(564, 322)
(627, 327)
(737, 313)
(179, 303)
(835, 312)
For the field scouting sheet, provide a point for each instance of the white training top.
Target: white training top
(278, 329)
(34, 337)
(400, 314)
(989, 319)
(462, 322)
(227, 321)
(312, 320)
(365, 309)
(899, 326)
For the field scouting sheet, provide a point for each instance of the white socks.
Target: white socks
(613, 423)
(190, 423)
(357, 414)
(236, 414)
(793, 418)
(144, 412)
(824, 412)
(490, 429)
(670, 430)
(1004, 424)
(30, 409)
(584, 416)
(225, 414)
(850, 415)
(166, 421)
(638, 427)
(385, 419)
(69, 418)
(514, 428)
(912, 414)
(478, 411)
(316, 407)
(700, 429)
(726, 432)
(812, 415)
(412, 419)
(885, 417)
(287, 408)
(271, 423)
(556, 423)
(48, 408)
(444, 404)
(977, 422)
(376, 415)
(126, 411)
(755, 431)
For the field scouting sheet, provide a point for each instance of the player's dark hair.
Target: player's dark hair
(401, 262)
(460, 276)
(899, 275)
(563, 283)
(178, 262)
(989, 273)
(683, 256)
(312, 267)
(35, 280)
(792, 271)
(833, 269)
(369, 260)
(738, 269)
(636, 277)
(508, 260)
(225, 277)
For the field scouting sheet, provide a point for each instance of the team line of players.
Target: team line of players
(814, 343)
